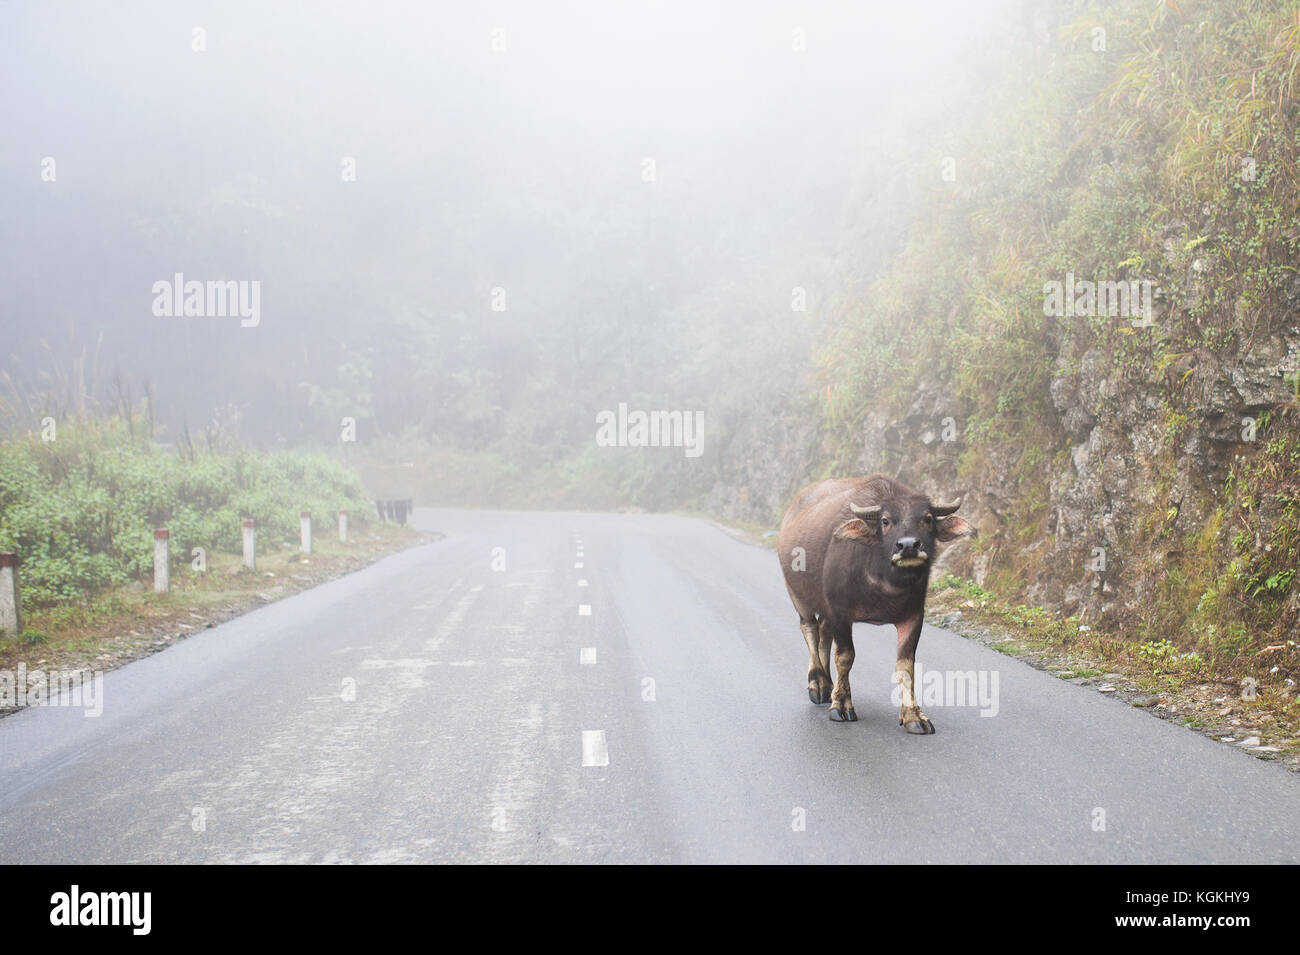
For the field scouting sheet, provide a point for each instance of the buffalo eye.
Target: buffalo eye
(928, 520)
(884, 522)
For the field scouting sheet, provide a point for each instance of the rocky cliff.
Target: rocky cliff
(1139, 469)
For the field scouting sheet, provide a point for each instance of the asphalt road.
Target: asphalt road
(435, 707)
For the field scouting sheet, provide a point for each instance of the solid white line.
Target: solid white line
(584, 610)
(595, 752)
(586, 656)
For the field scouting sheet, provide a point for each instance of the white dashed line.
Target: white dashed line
(587, 656)
(578, 566)
(584, 610)
(582, 583)
(595, 752)
(435, 604)
(412, 663)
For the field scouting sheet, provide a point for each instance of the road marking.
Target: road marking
(435, 604)
(587, 656)
(410, 663)
(582, 583)
(595, 752)
(578, 566)
(584, 610)
(451, 623)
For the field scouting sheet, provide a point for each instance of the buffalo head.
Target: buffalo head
(901, 532)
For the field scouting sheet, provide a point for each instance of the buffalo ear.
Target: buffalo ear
(857, 529)
(951, 527)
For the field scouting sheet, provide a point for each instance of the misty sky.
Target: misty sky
(475, 168)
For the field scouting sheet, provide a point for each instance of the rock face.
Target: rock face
(1116, 461)
(1131, 462)
(1136, 461)
(766, 458)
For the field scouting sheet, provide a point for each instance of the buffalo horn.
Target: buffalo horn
(943, 510)
(865, 513)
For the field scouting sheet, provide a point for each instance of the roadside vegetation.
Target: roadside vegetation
(1245, 699)
(124, 622)
(1135, 140)
(80, 510)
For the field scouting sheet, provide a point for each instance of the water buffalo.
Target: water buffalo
(858, 550)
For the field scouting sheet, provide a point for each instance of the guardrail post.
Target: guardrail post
(11, 615)
(161, 561)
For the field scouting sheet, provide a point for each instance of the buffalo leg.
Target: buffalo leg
(824, 654)
(910, 716)
(819, 677)
(841, 697)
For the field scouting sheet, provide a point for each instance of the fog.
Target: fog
(641, 185)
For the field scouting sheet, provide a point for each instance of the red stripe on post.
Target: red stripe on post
(8, 559)
(160, 534)
(305, 514)
(248, 523)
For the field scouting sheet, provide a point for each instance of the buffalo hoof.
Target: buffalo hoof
(819, 694)
(843, 713)
(921, 727)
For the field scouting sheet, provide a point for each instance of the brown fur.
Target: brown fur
(847, 576)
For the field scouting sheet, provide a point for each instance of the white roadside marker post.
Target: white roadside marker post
(11, 615)
(343, 526)
(306, 531)
(595, 748)
(250, 545)
(161, 561)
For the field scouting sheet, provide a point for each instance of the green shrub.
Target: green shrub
(81, 511)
